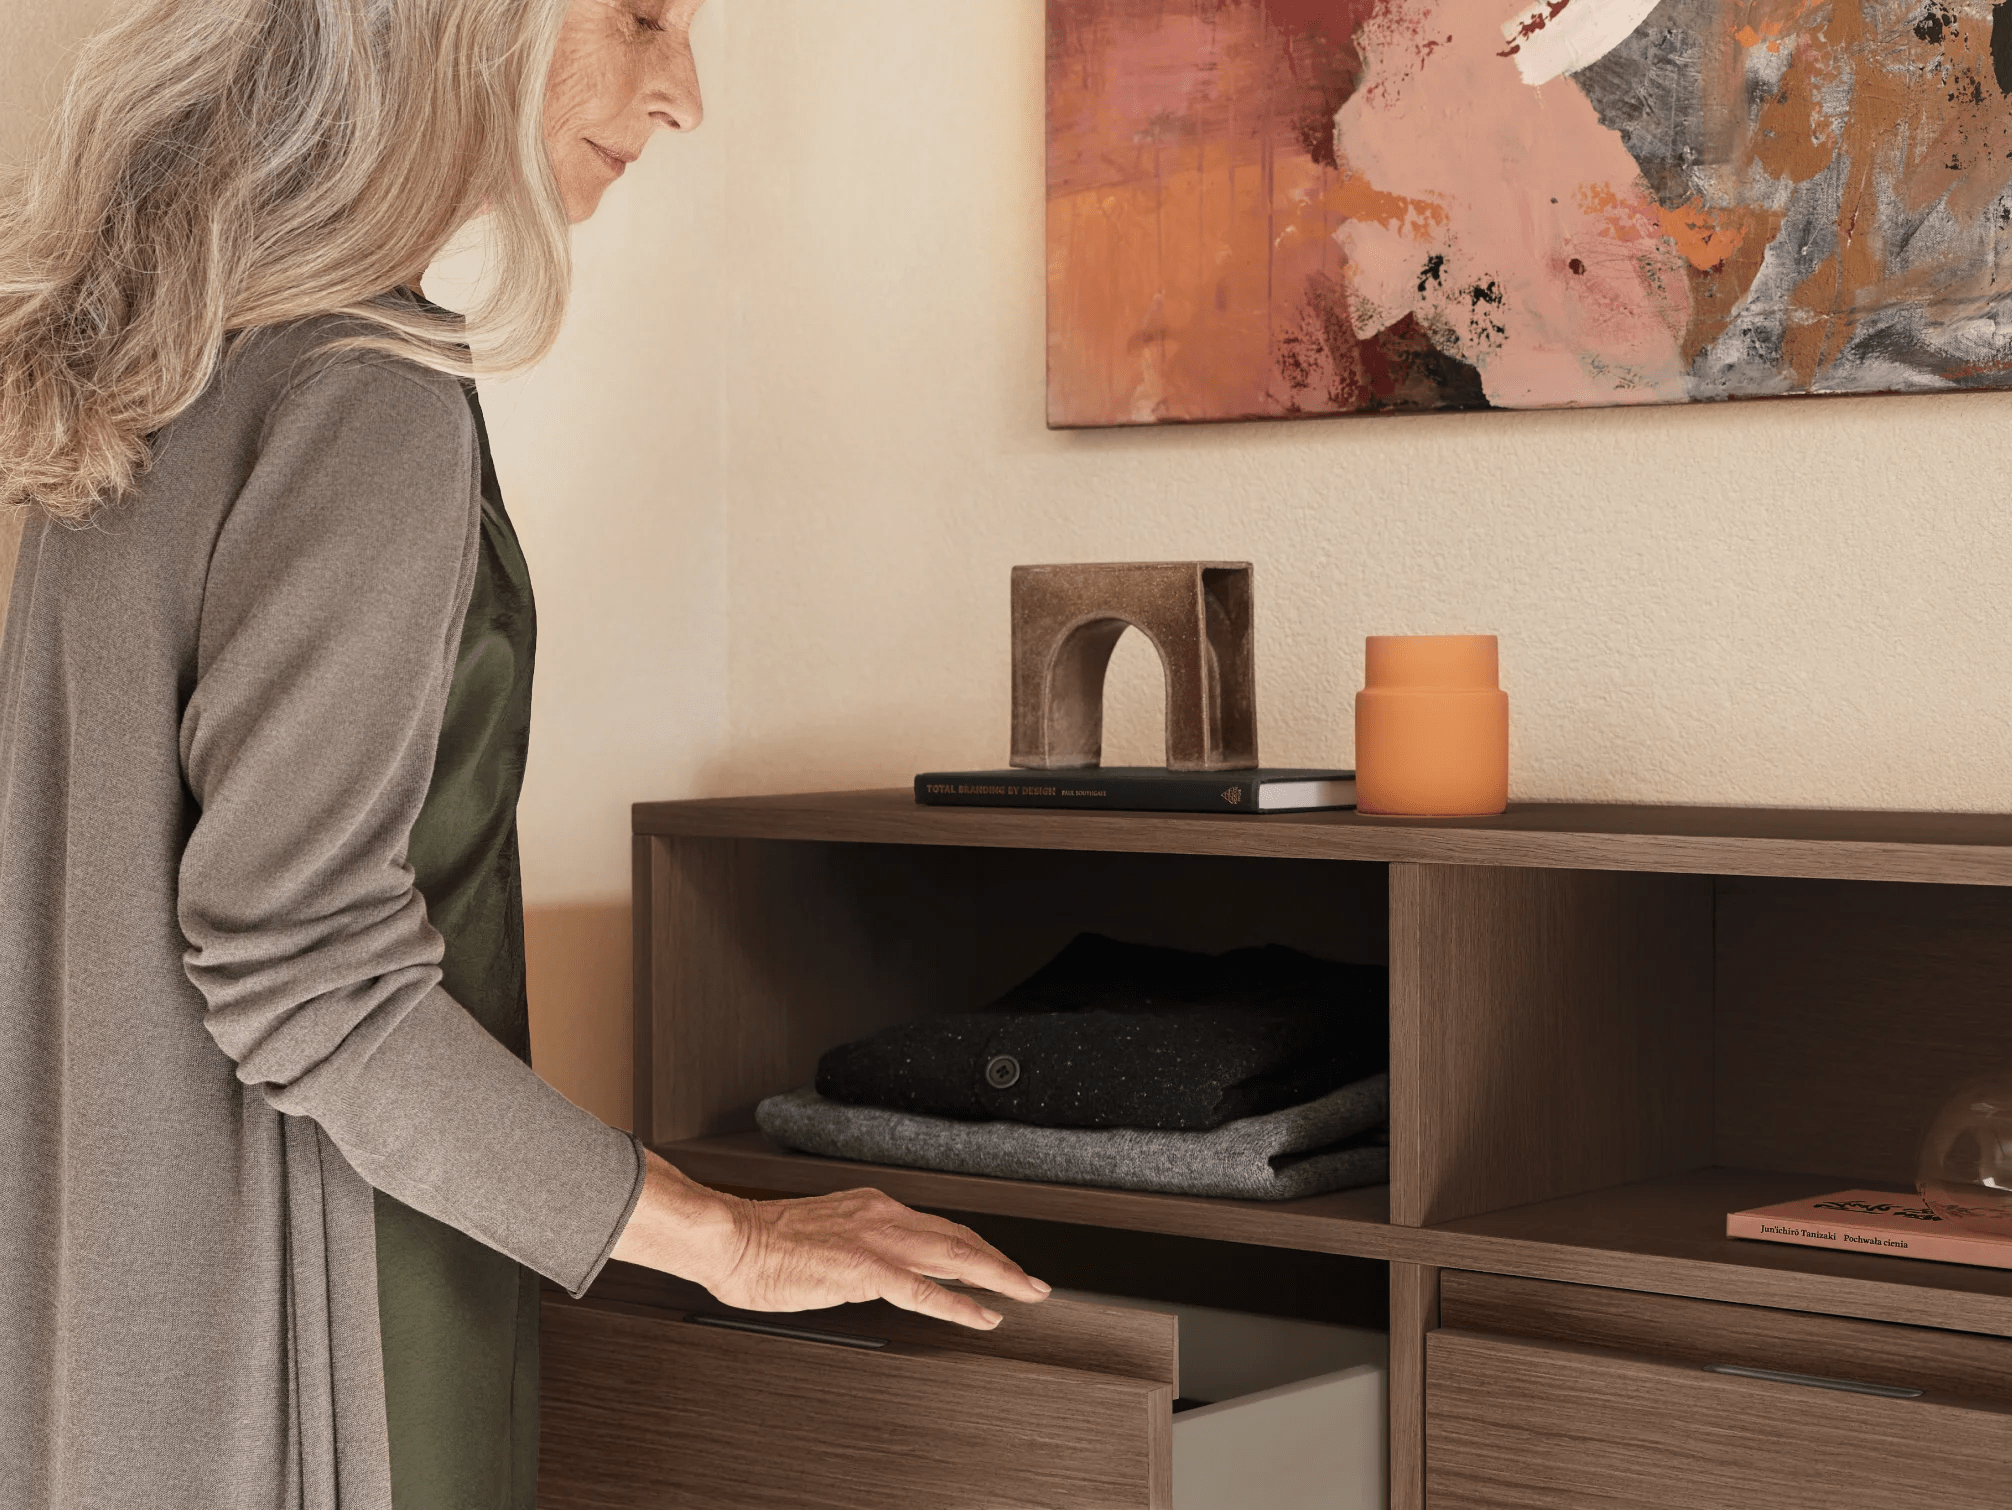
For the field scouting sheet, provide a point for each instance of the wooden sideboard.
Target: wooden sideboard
(1610, 1025)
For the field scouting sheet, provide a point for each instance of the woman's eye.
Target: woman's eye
(648, 23)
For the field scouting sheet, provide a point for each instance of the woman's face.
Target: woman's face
(623, 68)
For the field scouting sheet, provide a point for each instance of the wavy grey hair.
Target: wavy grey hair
(221, 165)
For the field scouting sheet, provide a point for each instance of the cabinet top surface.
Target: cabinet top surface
(1968, 848)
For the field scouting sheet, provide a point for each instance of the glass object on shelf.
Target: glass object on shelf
(1965, 1170)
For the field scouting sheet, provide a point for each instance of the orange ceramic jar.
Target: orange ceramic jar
(1432, 727)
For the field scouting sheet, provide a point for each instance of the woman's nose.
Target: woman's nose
(676, 103)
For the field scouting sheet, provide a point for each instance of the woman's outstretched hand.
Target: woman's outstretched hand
(824, 1251)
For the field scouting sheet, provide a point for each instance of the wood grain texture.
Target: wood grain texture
(1678, 1329)
(650, 940)
(1550, 1033)
(1847, 1013)
(1068, 1334)
(763, 956)
(1561, 1071)
(1962, 848)
(643, 1409)
(1668, 1236)
(1515, 1425)
(1347, 1221)
(1414, 1312)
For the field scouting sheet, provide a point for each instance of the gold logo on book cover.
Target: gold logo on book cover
(1234, 796)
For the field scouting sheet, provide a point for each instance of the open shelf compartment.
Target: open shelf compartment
(1580, 1056)
(756, 956)
(1589, 1067)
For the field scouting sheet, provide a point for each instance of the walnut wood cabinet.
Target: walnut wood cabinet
(1609, 1026)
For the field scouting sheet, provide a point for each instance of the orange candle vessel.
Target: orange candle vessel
(1432, 727)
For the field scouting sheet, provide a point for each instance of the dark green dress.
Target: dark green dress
(459, 1320)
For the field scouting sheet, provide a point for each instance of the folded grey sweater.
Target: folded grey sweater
(1321, 1145)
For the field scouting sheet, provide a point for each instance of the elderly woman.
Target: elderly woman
(276, 1170)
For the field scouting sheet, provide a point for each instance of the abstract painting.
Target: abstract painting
(1272, 208)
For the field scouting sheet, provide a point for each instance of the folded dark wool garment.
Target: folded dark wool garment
(1334, 1142)
(1109, 1034)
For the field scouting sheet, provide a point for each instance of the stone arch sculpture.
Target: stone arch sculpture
(1068, 619)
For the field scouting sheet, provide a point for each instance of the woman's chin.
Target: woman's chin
(582, 197)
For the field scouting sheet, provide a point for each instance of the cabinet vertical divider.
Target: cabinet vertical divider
(646, 870)
(1414, 1288)
(1414, 1312)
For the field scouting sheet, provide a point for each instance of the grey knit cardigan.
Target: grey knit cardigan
(220, 1014)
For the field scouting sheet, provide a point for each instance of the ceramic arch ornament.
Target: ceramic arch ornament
(1068, 619)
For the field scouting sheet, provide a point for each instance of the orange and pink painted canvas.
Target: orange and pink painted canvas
(1273, 208)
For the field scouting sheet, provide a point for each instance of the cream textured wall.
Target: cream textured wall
(38, 38)
(1805, 602)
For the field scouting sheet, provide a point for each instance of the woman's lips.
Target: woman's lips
(617, 163)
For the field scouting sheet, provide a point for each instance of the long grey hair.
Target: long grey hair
(220, 165)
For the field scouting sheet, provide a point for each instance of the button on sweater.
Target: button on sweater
(1110, 1034)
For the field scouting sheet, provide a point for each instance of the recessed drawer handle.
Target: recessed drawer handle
(779, 1329)
(1817, 1381)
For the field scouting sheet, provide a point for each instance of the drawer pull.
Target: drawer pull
(780, 1329)
(1817, 1381)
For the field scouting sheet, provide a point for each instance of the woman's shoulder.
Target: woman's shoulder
(317, 362)
(298, 419)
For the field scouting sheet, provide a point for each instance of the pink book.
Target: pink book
(1870, 1221)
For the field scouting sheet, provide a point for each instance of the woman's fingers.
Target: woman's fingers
(962, 1256)
(937, 1247)
(912, 1292)
(967, 1236)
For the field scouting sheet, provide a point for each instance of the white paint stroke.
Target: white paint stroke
(1562, 36)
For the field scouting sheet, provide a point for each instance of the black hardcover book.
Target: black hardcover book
(1148, 789)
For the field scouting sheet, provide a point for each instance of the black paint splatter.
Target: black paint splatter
(1933, 22)
(2001, 47)
(1405, 370)
(1434, 266)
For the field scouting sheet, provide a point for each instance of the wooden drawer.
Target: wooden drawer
(1067, 1404)
(1071, 1403)
(1678, 1329)
(1528, 1414)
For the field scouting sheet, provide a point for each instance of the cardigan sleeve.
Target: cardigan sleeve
(330, 618)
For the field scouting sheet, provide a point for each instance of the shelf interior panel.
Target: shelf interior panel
(1354, 1222)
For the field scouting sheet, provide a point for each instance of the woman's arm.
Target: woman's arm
(330, 618)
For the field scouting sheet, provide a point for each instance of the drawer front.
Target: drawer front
(1521, 1425)
(643, 1408)
(1681, 1330)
